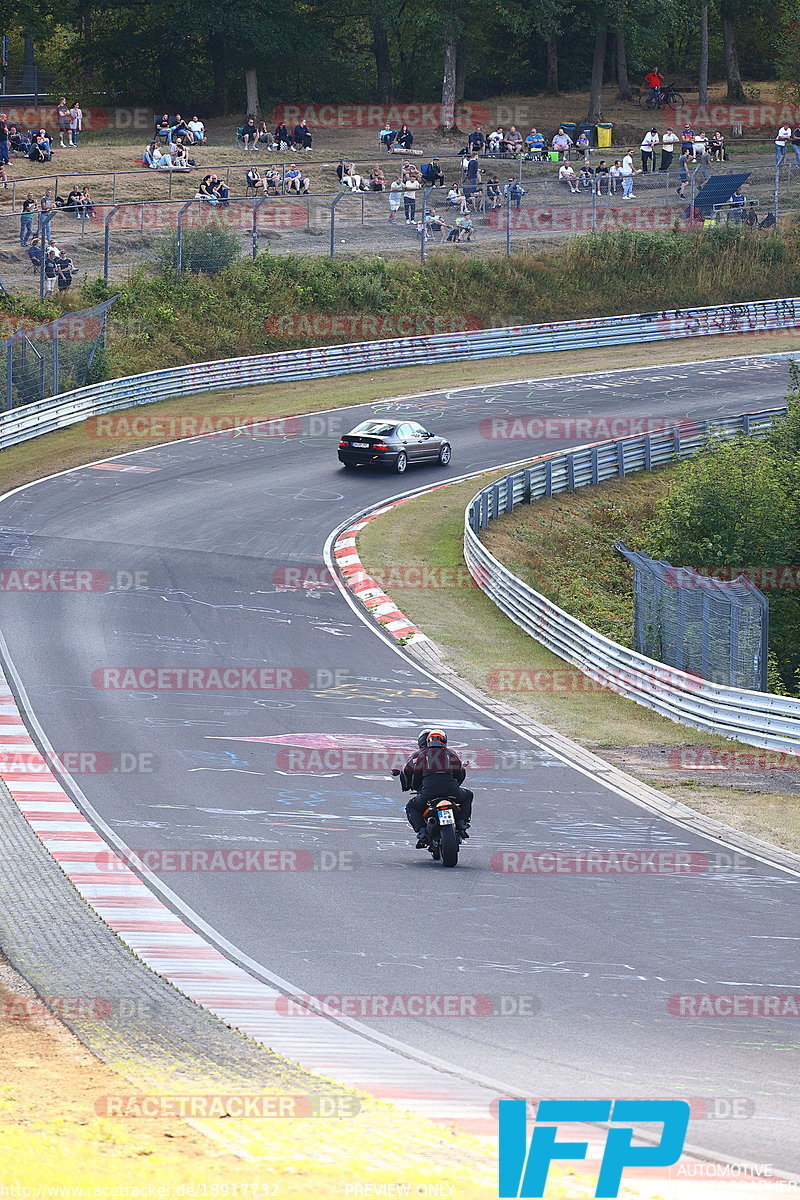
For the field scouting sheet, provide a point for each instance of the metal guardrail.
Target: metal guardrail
(58, 412)
(758, 718)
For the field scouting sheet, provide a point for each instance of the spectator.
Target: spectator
(387, 137)
(350, 177)
(220, 189)
(434, 224)
(536, 144)
(395, 199)
(601, 174)
(4, 146)
(796, 145)
(163, 158)
(704, 169)
(252, 180)
(513, 191)
(464, 229)
(18, 143)
(410, 189)
(687, 161)
(493, 192)
(294, 180)
(250, 134)
(717, 146)
(455, 199)
(783, 136)
(654, 80)
(433, 174)
(47, 205)
(272, 180)
(405, 137)
(3, 176)
(75, 123)
(472, 180)
(687, 135)
(163, 128)
(302, 136)
(513, 140)
(40, 150)
(26, 219)
(151, 155)
(65, 269)
(197, 130)
(35, 253)
(180, 131)
(282, 136)
(648, 150)
(736, 205)
(583, 144)
(668, 143)
(614, 176)
(87, 203)
(62, 117)
(476, 142)
(496, 140)
(628, 172)
(700, 143)
(206, 191)
(562, 142)
(377, 180)
(566, 174)
(586, 175)
(178, 158)
(50, 273)
(73, 202)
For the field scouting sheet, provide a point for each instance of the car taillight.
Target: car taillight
(380, 446)
(343, 442)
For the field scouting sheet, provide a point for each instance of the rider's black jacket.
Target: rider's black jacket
(430, 767)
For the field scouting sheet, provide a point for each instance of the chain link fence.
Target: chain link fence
(709, 627)
(50, 358)
(526, 206)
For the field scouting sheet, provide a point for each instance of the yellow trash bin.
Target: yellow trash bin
(604, 135)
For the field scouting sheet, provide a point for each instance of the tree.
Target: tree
(383, 65)
(733, 76)
(598, 62)
(623, 84)
(703, 66)
(450, 40)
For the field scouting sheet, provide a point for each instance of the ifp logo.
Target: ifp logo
(524, 1168)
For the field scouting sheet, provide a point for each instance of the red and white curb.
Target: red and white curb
(366, 589)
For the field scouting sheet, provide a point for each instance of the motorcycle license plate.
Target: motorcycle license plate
(361, 445)
(446, 816)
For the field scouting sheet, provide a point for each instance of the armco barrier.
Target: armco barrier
(759, 718)
(45, 416)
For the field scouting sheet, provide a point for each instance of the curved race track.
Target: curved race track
(210, 521)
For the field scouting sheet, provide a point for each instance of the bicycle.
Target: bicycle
(666, 97)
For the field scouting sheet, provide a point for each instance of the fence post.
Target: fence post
(422, 242)
(691, 199)
(336, 200)
(594, 204)
(44, 226)
(508, 222)
(777, 189)
(114, 188)
(56, 332)
(9, 373)
(256, 206)
(107, 241)
(169, 190)
(188, 204)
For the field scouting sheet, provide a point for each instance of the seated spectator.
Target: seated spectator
(456, 200)
(163, 128)
(272, 181)
(249, 134)
(562, 142)
(295, 182)
(302, 136)
(87, 203)
(464, 229)
(17, 141)
(150, 154)
(72, 205)
(736, 205)
(717, 147)
(387, 138)
(163, 158)
(206, 191)
(700, 143)
(476, 142)
(614, 176)
(566, 174)
(495, 140)
(40, 150)
(282, 136)
(433, 225)
(405, 137)
(265, 137)
(536, 144)
(181, 133)
(179, 158)
(432, 174)
(493, 192)
(583, 145)
(350, 177)
(514, 191)
(377, 180)
(513, 140)
(601, 173)
(197, 130)
(34, 251)
(253, 180)
(586, 175)
(219, 189)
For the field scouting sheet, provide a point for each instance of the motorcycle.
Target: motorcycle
(442, 826)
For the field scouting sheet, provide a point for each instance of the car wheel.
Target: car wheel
(444, 455)
(401, 462)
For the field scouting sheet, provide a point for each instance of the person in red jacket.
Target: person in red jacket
(654, 80)
(434, 772)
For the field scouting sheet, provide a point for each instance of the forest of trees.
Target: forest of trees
(225, 56)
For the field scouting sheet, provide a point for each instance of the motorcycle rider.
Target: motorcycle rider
(434, 771)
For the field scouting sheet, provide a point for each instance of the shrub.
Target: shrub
(203, 251)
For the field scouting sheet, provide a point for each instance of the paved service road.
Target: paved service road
(210, 522)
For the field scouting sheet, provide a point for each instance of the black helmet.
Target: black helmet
(422, 740)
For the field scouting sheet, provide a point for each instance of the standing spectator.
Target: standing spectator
(614, 176)
(687, 135)
(628, 172)
(562, 142)
(47, 205)
(686, 163)
(654, 80)
(410, 189)
(668, 143)
(62, 116)
(783, 136)
(302, 136)
(566, 174)
(75, 123)
(250, 134)
(796, 145)
(50, 273)
(395, 198)
(704, 169)
(514, 192)
(26, 219)
(472, 179)
(476, 142)
(4, 147)
(648, 149)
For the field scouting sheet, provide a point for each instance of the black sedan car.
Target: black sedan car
(394, 444)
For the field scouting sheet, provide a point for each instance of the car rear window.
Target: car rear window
(381, 428)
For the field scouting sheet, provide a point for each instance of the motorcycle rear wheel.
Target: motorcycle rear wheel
(449, 840)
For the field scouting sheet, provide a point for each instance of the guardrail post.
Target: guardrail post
(548, 477)
(256, 206)
(746, 423)
(484, 509)
(595, 465)
(621, 459)
(570, 472)
(510, 495)
(648, 452)
(107, 242)
(528, 493)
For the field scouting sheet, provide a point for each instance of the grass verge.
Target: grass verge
(476, 639)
